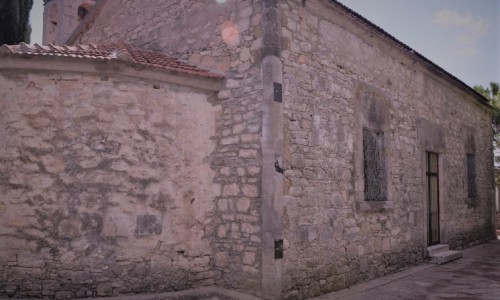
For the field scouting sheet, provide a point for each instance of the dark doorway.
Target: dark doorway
(433, 192)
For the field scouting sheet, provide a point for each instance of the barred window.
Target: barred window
(471, 176)
(374, 165)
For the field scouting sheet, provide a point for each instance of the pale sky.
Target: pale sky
(461, 36)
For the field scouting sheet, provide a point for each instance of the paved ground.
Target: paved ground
(204, 293)
(475, 276)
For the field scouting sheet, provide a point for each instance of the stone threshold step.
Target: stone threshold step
(432, 250)
(446, 256)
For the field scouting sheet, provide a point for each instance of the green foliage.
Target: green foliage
(14, 21)
(492, 93)
(27, 34)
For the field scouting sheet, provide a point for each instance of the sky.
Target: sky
(36, 20)
(461, 36)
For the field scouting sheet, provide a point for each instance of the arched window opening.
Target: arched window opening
(83, 10)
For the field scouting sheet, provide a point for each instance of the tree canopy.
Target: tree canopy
(14, 21)
(492, 93)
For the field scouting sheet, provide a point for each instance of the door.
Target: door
(433, 194)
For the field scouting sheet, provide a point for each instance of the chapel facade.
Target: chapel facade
(307, 151)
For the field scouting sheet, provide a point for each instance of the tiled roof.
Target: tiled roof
(442, 72)
(122, 52)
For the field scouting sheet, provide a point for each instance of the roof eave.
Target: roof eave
(93, 66)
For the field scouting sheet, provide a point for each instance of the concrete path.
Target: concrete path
(475, 276)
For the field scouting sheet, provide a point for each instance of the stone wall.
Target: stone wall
(225, 36)
(61, 17)
(106, 185)
(340, 77)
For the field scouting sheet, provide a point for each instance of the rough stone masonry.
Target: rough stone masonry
(106, 184)
(319, 108)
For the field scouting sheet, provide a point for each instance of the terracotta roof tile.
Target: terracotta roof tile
(123, 52)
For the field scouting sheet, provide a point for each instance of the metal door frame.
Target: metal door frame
(430, 175)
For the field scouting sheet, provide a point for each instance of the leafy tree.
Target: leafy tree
(14, 21)
(492, 93)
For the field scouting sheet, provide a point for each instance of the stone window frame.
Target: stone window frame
(83, 10)
(371, 111)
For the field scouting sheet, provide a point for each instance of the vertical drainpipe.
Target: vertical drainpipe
(272, 151)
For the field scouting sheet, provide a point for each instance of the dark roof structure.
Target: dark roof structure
(119, 52)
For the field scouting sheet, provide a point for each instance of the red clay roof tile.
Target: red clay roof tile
(123, 52)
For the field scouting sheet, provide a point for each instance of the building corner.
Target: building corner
(272, 152)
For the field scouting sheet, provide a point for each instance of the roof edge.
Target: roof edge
(93, 66)
(410, 51)
(116, 51)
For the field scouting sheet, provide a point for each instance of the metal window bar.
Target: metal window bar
(471, 176)
(433, 194)
(374, 165)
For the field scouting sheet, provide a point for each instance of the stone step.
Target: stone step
(446, 256)
(431, 250)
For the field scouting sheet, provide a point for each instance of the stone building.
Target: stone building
(104, 154)
(318, 152)
(61, 17)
